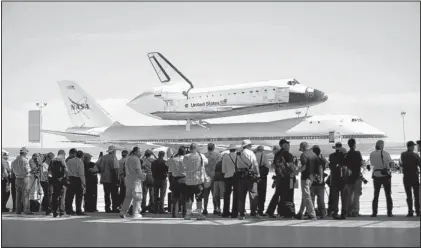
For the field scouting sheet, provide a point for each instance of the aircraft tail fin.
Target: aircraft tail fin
(165, 70)
(83, 110)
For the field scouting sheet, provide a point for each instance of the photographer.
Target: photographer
(381, 162)
(261, 186)
(248, 174)
(57, 171)
(410, 164)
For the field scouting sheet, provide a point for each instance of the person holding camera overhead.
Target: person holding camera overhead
(381, 163)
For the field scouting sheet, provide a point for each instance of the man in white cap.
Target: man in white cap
(229, 166)
(248, 170)
(108, 167)
(21, 169)
(5, 182)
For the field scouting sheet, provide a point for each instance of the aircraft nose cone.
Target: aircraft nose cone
(320, 95)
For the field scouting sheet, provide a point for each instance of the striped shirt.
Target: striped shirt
(193, 168)
(20, 167)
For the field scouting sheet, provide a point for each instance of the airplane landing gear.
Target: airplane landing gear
(199, 123)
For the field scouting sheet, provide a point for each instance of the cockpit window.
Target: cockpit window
(293, 82)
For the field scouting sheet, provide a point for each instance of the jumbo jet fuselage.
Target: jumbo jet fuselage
(178, 99)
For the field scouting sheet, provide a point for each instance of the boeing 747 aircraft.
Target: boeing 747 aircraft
(177, 98)
(92, 125)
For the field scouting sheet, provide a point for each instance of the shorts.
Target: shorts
(218, 189)
(177, 186)
(193, 191)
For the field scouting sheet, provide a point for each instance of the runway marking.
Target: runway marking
(394, 224)
(40, 218)
(335, 223)
(276, 223)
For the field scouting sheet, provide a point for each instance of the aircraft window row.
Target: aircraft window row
(234, 93)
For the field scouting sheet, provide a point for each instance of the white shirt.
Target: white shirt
(247, 159)
(378, 164)
(262, 159)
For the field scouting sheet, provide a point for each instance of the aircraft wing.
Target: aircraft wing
(69, 133)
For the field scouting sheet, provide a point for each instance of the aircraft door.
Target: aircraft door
(282, 95)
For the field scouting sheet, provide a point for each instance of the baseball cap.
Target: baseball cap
(4, 152)
(245, 143)
(410, 144)
(337, 145)
(61, 152)
(23, 149)
(283, 141)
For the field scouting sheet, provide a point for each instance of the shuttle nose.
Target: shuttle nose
(320, 96)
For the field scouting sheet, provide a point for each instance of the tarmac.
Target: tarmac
(108, 230)
(101, 229)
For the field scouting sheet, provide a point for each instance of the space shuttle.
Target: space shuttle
(176, 98)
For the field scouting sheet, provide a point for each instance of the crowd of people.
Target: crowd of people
(55, 181)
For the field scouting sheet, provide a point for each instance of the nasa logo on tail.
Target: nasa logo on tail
(79, 106)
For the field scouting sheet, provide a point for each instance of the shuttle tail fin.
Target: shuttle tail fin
(82, 108)
(166, 71)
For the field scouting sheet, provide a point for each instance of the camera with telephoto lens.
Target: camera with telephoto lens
(363, 179)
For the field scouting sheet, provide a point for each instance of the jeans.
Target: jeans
(110, 189)
(133, 196)
(122, 192)
(335, 190)
(91, 196)
(230, 188)
(274, 202)
(355, 206)
(244, 186)
(306, 198)
(319, 191)
(46, 199)
(387, 185)
(218, 193)
(13, 191)
(159, 190)
(409, 188)
(206, 193)
(4, 194)
(350, 190)
(74, 188)
(145, 190)
(261, 191)
(22, 195)
(57, 196)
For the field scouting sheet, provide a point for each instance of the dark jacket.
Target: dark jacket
(336, 162)
(91, 177)
(159, 169)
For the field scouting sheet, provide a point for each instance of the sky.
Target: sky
(365, 56)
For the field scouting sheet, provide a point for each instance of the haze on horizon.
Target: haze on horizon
(365, 56)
